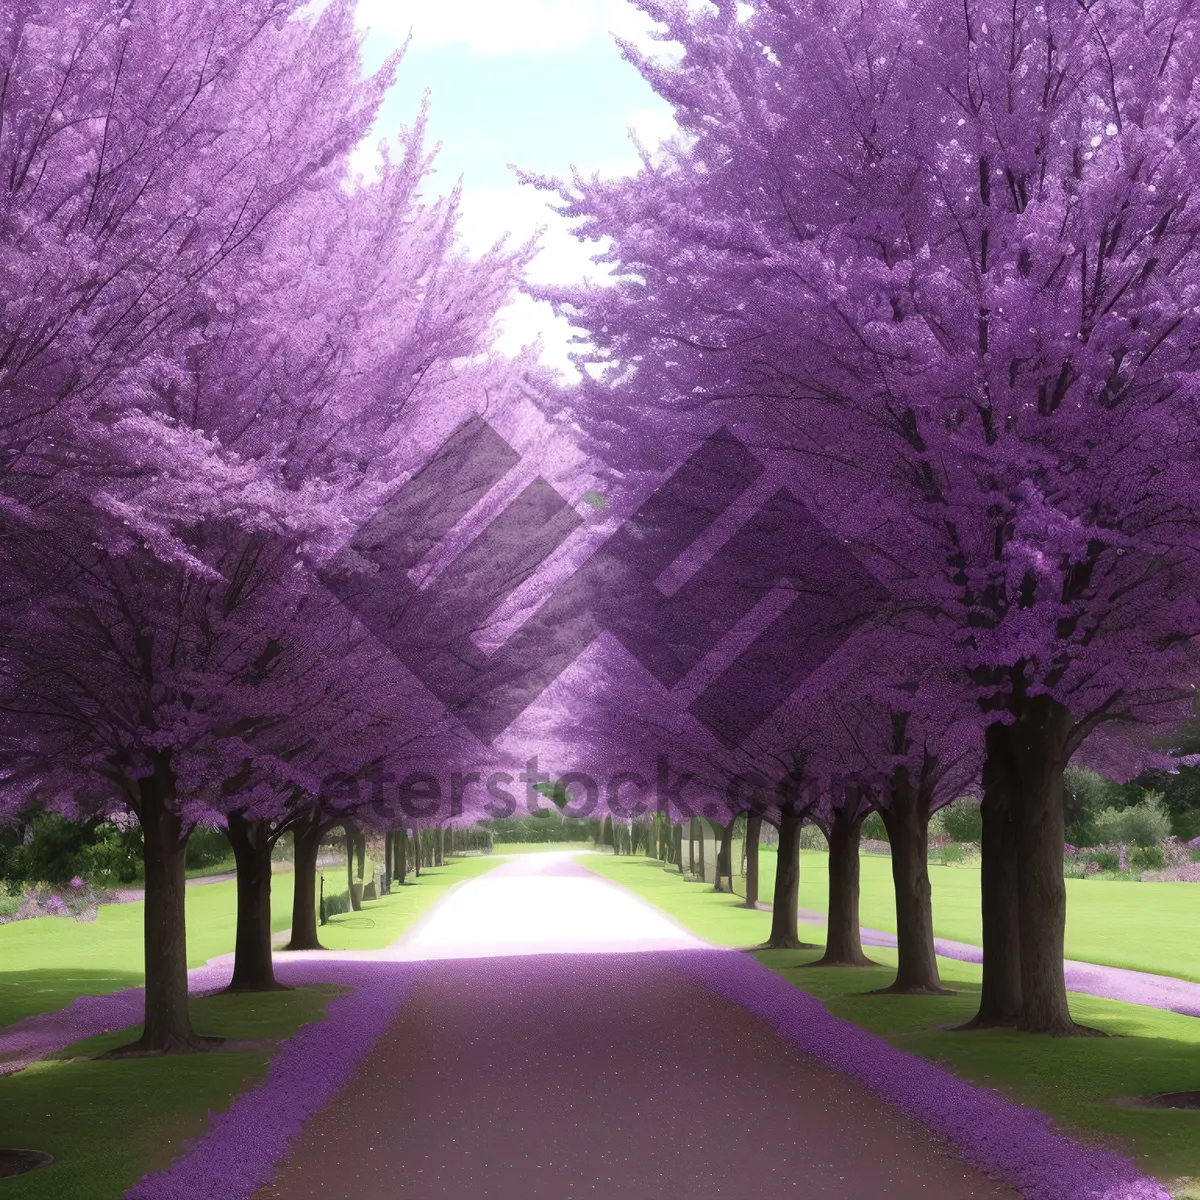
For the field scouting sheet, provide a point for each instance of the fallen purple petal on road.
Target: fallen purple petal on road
(1011, 1142)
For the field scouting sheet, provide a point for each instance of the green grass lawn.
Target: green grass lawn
(1076, 1081)
(47, 962)
(108, 1123)
(1143, 926)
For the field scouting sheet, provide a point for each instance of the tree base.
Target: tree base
(788, 944)
(248, 988)
(303, 945)
(1071, 1030)
(982, 1022)
(196, 1044)
(1066, 1030)
(841, 962)
(918, 990)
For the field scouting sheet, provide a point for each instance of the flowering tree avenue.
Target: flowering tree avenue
(911, 740)
(216, 680)
(942, 257)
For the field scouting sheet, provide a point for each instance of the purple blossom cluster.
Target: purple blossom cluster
(1188, 873)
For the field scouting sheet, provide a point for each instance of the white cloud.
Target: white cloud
(527, 27)
(486, 214)
(505, 26)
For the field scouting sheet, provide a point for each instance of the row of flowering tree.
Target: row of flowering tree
(938, 263)
(935, 269)
(219, 353)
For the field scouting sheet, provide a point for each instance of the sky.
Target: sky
(537, 83)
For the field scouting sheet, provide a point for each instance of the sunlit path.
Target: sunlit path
(579, 1074)
(540, 904)
(472, 1059)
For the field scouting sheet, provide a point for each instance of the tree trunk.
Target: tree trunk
(843, 938)
(907, 822)
(439, 847)
(785, 933)
(1000, 998)
(1040, 737)
(677, 847)
(417, 852)
(387, 862)
(253, 970)
(1024, 896)
(306, 834)
(351, 878)
(168, 1027)
(400, 855)
(753, 829)
(724, 881)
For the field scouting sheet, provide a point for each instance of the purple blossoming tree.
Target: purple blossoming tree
(942, 259)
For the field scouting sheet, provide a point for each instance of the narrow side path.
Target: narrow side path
(1109, 983)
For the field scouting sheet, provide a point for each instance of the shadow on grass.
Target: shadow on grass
(24, 993)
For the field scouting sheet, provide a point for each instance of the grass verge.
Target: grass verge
(1077, 1081)
(1141, 926)
(47, 962)
(109, 1122)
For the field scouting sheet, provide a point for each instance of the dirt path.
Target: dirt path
(536, 1076)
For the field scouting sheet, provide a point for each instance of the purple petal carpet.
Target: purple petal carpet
(239, 1152)
(1011, 1142)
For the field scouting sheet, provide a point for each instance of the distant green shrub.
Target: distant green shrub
(811, 838)
(1146, 858)
(546, 825)
(58, 850)
(951, 855)
(1144, 824)
(1106, 860)
(874, 828)
(962, 820)
(206, 847)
